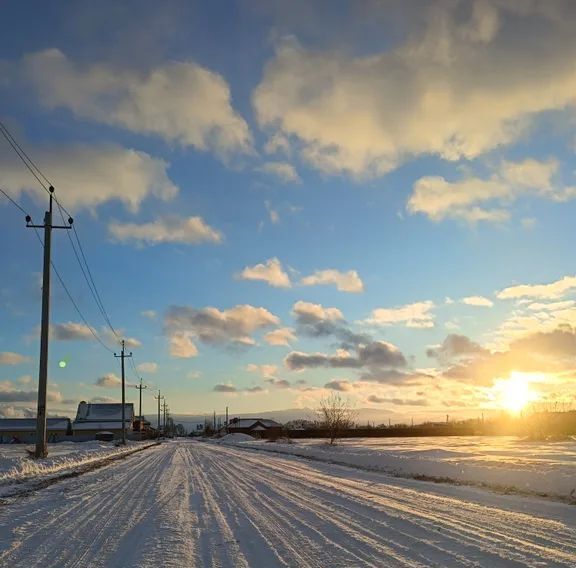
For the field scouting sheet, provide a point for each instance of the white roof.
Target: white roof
(103, 412)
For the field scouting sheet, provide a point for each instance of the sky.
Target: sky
(282, 200)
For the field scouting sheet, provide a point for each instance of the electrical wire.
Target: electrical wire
(60, 279)
(15, 203)
(78, 311)
(43, 180)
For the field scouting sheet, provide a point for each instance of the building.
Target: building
(257, 427)
(92, 418)
(197, 428)
(24, 430)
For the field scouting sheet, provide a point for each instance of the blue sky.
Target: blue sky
(282, 200)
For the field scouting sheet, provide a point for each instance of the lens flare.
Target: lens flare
(514, 393)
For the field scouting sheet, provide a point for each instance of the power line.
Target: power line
(38, 174)
(80, 314)
(26, 160)
(60, 279)
(15, 203)
(87, 274)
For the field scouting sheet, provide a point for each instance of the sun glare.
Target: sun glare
(514, 393)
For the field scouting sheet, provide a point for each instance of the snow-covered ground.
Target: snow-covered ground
(16, 466)
(498, 461)
(188, 503)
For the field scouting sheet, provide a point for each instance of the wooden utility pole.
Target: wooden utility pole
(140, 388)
(41, 445)
(122, 357)
(159, 398)
(164, 407)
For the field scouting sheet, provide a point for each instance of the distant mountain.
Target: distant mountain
(363, 415)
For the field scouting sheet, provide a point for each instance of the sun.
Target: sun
(514, 393)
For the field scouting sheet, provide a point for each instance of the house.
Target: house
(257, 427)
(92, 418)
(24, 430)
(197, 428)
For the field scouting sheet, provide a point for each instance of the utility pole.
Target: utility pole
(122, 357)
(140, 388)
(41, 445)
(159, 398)
(214, 422)
(164, 407)
(226, 424)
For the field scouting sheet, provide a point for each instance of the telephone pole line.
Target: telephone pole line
(123, 356)
(164, 407)
(159, 398)
(140, 388)
(41, 445)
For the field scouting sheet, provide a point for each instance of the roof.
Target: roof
(93, 425)
(253, 423)
(29, 424)
(103, 412)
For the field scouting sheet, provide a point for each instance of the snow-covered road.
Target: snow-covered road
(197, 504)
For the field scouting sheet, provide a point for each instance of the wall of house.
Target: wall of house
(27, 437)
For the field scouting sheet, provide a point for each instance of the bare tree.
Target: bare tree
(335, 414)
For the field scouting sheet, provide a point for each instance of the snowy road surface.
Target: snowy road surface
(197, 504)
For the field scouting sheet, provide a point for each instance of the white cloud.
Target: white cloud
(190, 230)
(147, 367)
(182, 346)
(87, 176)
(308, 313)
(109, 380)
(265, 371)
(282, 336)
(474, 199)
(10, 358)
(343, 385)
(457, 87)
(416, 315)
(179, 101)
(272, 213)
(284, 171)
(553, 290)
(479, 301)
(150, 314)
(71, 331)
(212, 326)
(270, 272)
(344, 281)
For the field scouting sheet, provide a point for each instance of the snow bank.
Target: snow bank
(236, 438)
(17, 466)
(476, 462)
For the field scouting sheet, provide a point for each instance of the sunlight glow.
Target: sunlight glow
(514, 393)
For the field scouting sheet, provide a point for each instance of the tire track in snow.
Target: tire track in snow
(478, 531)
(190, 504)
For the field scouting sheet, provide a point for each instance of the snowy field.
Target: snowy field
(503, 462)
(17, 467)
(188, 503)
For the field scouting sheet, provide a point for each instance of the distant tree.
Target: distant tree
(302, 424)
(335, 414)
(180, 430)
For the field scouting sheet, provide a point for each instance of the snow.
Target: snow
(16, 466)
(507, 463)
(236, 438)
(183, 503)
